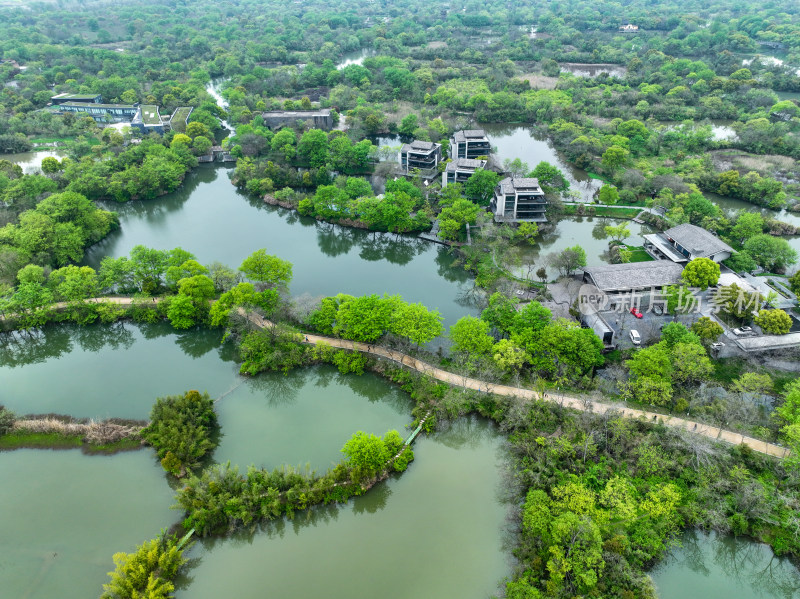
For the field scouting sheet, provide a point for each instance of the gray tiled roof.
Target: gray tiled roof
(464, 164)
(697, 240)
(418, 146)
(637, 275)
(511, 184)
(469, 134)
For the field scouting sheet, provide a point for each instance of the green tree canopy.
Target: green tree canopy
(774, 322)
(701, 272)
(480, 186)
(267, 270)
(470, 336)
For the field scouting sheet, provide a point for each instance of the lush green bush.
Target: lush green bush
(182, 430)
(7, 420)
(148, 572)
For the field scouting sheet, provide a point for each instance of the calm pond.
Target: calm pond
(65, 515)
(516, 141)
(713, 566)
(31, 162)
(588, 232)
(271, 419)
(435, 531)
(210, 218)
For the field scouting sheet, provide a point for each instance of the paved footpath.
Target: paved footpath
(569, 401)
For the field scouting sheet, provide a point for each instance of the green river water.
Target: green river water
(65, 514)
(435, 531)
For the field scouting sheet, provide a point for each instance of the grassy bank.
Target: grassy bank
(53, 440)
(609, 212)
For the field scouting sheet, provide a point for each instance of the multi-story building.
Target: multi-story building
(519, 199)
(470, 143)
(460, 169)
(424, 155)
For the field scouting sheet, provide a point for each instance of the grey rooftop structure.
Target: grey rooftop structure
(419, 145)
(695, 242)
(321, 118)
(460, 164)
(620, 278)
(469, 143)
(469, 135)
(460, 169)
(87, 98)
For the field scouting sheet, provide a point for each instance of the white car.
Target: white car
(636, 339)
(717, 345)
(743, 332)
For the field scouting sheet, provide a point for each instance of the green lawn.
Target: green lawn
(614, 212)
(638, 254)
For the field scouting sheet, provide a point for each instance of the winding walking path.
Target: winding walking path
(569, 401)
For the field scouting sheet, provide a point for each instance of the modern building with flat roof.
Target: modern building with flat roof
(424, 155)
(148, 120)
(180, 118)
(83, 98)
(685, 243)
(469, 143)
(635, 276)
(519, 200)
(460, 169)
(118, 112)
(320, 118)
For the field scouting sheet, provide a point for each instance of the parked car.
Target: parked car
(744, 332)
(717, 345)
(658, 309)
(635, 338)
(636, 313)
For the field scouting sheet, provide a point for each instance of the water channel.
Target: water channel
(68, 519)
(267, 420)
(65, 514)
(713, 566)
(435, 531)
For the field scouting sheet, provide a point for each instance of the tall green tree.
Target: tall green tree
(701, 272)
(267, 270)
(480, 186)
